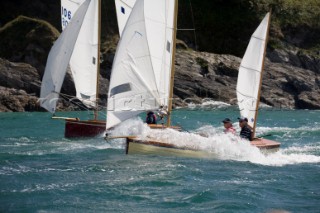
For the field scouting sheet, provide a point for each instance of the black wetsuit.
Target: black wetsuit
(246, 133)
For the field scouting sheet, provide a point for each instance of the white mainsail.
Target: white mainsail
(84, 60)
(141, 72)
(250, 73)
(123, 9)
(59, 58)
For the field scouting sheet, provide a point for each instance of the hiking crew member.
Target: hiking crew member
(228, 126)
(246, 130)
(151, 118)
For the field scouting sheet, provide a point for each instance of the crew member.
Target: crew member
(246, 130)
(228, 126)
(151, 118)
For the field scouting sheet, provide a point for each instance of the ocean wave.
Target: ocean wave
(62, 146)
(208, 103)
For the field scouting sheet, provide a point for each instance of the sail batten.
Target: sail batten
(250, 73)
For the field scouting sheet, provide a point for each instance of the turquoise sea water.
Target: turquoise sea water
(41, 171)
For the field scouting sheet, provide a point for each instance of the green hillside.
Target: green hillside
(222, 26)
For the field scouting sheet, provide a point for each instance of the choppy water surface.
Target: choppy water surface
(41, 171)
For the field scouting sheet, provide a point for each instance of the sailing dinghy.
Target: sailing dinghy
(250, 81)
(77, 46)
(143, 68)
(248, 91)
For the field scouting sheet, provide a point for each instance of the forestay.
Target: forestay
(142, 66)
(250, 73)
(123, 8)
(59, 58)
(84, 60)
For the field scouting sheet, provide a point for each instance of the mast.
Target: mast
(98, 60)
(262, 69)
(174, 34)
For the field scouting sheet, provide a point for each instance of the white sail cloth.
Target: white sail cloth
(250, 73)
(84, 60)
(142, 66)
(59, 58)
(123, 8)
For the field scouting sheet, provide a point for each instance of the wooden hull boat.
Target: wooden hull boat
(250, 81)
(137, 146)
(265, 144)
(78, 47)
(75, 128)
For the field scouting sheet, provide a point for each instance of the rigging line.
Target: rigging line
(71, 101)
(194, 31)
(69, 97)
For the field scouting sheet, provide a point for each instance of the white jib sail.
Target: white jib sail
(84, 60)
(142, 66)
(123, 9)
(250, 72)
(58, 60)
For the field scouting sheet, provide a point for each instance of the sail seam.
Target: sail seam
(248, 96)
(126, 4)
(261, 39)
(250, 69)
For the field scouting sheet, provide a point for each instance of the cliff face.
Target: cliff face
(292, 70)
(206, 75)
(19, 87)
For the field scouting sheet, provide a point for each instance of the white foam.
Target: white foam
(133, 126)
(223, 146)
(208, 103)
(213, 103)
(263, 105)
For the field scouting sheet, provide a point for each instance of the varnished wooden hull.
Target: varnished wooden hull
(160, 126)
(265, 144)
(75, 128)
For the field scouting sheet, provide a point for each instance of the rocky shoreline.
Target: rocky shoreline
(199, 76)
(291, 78)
